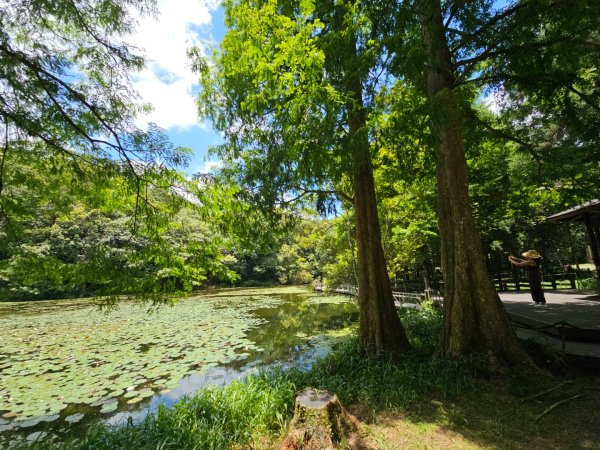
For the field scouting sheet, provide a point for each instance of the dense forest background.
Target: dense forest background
(77, 234)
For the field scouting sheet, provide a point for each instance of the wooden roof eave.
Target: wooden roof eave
(588, 211)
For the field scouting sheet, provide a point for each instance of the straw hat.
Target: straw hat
(531, 254)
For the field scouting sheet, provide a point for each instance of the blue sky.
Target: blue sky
(167, 83)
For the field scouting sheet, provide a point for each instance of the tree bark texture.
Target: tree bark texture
(380, 327)
(593, 229)
(320, 422)
(474, 319)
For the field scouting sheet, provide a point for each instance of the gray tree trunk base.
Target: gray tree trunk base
(321, 423)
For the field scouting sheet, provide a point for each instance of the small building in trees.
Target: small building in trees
(587, 213)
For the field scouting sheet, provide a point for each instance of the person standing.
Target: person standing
(532, 263)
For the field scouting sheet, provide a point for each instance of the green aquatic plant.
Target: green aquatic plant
(253, 411)
(56, 354)
(82, 360)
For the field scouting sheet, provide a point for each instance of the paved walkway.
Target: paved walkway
(572, 312)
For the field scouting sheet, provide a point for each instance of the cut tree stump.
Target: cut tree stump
(320, 422)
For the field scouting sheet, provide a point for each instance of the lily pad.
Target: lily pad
(134, 400)
(109, 407)
(6, 427)
(74, 418)
(36, 436)
(50, 418)
(145, 393)
(30, 423)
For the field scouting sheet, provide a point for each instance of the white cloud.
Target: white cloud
(168, 82)
(209, 166)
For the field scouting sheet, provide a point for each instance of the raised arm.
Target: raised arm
(520, 262)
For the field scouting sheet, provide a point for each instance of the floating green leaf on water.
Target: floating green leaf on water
(109, 408)
(36, 436)
(145, 393)
(280, 290)
(74, 418)
(30, 423)
(128, 355)
(50, 418)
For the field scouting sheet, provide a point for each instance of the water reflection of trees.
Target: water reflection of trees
(290, 325)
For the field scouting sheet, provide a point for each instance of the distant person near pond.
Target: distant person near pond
(532, 263)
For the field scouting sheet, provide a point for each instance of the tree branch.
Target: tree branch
(494, 20)
(305, 192)
(492, 51)
(547, 410)
(78, 96)
(584, 97)
(507, 136)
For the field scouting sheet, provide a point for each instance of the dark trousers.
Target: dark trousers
(535, 284)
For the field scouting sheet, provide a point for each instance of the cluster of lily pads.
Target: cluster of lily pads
(331, 299)
(78, 355)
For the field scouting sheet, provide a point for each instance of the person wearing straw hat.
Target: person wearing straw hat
(532, 263)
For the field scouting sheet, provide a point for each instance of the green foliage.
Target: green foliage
(71, 232)
(65, 82)
(127, 353)
(215, 418)
(85, 195)
(589, 284)
(266, 92)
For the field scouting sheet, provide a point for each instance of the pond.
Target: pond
(67, 364)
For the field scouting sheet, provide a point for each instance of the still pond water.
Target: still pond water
(67, 364)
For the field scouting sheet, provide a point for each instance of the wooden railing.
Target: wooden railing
(401, 298)
(514, 281)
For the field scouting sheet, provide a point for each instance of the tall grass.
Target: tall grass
(214, 418)
(588, 284)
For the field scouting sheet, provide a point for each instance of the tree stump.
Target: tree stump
(320, 422)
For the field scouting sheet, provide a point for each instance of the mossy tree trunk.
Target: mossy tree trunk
(380, 327)
(474, 319)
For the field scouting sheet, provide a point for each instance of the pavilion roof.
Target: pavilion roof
(586, 211)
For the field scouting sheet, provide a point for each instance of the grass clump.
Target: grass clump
(214, 418)
(385, 382)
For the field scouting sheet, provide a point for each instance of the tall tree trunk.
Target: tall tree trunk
(380, 327)
(474, 319)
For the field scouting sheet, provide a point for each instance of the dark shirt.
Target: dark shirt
(534, 272)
